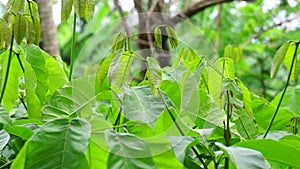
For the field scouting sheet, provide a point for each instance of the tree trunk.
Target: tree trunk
(49, 40)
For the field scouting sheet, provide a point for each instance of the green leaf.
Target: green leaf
(103, 68)
(291, 99)
(235, 53)
(4, 138)
(263, 112)
(20, 28)
(73, 99)
(215, 83)
(32, 100)
(4, 117)
(64, 146)
(66, 8)
(56, 75)
(158, 37)
(96, 156)
(119, 41)
(79, 7)
(278, 58)
(31, 35)
(127, 151)
(18, 6)
(12, 87)
(172, 36)
(1, 34)
(20, 131)
(139, 104)
(287, 155)
(246, 97)
(179, 144)
(288, 60)
(123, 72)
(244, 157)
(155, 74)
(7, 33)
(35, 21)
(246, 125)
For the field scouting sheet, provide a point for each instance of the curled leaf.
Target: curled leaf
(172, 36)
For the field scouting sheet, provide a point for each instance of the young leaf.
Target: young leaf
(288, 61)
(18, 6)
(7, 33)
(79, 7)
(123, 72)
(64, 145)
(158, 37)
(128, 151)
(278, 58)
(172, 36)
(155, 74)
(119, 41)
(103, 68)
(35, 18)
(244, 157)
(20, 28)
(66, 8)
(31, 35)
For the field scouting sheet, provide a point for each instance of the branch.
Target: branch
(262, 31)
(197, 7)
(127, 30)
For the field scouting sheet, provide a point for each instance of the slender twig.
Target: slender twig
(284, 90)
(22, 100)
(8, 67)
(72, 48)
(20, 62)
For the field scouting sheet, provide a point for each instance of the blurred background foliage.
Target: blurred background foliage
(259, 28)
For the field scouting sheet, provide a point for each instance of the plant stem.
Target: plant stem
(227, 128)
(72, 48)
(284, 90)
(8, 67)
(20, 62)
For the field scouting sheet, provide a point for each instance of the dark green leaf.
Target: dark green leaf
(7, 33)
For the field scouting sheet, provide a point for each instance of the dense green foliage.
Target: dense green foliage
(195, 113)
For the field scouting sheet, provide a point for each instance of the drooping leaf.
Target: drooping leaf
(114, 66)
(103, 68)
(171, 36)
(20, 28)
(127, 151)
(278, 58)
(140, 104)
(79, 7)
(7, 33)
(244, 157)
(64, 145)
(31, 35)
(233, 52)
(123, 72)
(246, 98)
(4, 138)
(155, 74)
(158, 37)
(287, 155)
(73, 99)
(66, 8)
(119, 41)
(18, 6)
(288, 59)
(1, 35)
(35, 21)
(224, 66)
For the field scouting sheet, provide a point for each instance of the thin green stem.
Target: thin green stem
(8, 67)
(20, 62)
(284, 90)
(72, 48)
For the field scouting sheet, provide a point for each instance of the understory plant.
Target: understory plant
(193, 114)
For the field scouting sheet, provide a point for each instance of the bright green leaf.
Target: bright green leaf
(278, 58)
(289, 58)
(158, 37)
(66, 8)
